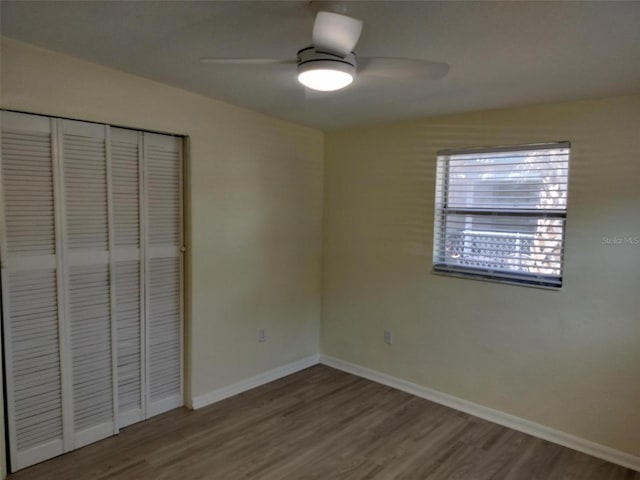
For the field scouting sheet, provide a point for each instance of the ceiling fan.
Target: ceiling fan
(330, 63)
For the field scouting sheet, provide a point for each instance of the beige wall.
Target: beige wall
(256, 200)
(566, 359)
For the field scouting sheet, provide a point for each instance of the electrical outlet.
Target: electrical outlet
(388, 338)
(262, 335)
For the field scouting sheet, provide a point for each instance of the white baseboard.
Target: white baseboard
(253, 382)
(516, 423)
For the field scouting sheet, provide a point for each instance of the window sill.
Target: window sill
(480, 277)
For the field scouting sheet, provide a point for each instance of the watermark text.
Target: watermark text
(626, 240)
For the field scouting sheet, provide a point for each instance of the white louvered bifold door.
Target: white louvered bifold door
(163, 271)
(87, 279)
(126, 261)
(92, 272)
(30, 294)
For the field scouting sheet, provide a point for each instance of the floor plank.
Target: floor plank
(323, 424)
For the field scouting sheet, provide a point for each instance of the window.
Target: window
(500, 213)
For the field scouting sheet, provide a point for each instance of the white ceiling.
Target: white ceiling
(501, 54)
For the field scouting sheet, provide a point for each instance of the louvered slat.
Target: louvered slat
(127, 280)
(126, 188)
(162, 161)
(164, 333)
(37, 384)
(163, 194)
(91, 347)
(85, 192)
(28, 192)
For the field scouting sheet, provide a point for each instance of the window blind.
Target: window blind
(500, 213)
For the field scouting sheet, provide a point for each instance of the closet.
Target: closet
(91, 251)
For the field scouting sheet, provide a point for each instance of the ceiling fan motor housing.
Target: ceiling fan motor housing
(311, 59)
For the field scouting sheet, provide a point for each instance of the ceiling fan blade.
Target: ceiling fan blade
(336, 33)
(392, 67)
(246, 61)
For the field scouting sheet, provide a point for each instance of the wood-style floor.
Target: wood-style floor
(322, 424)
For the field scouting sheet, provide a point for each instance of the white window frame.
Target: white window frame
(442, 211)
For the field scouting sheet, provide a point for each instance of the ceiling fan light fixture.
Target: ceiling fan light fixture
(325, 79)
(325, 72)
